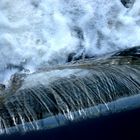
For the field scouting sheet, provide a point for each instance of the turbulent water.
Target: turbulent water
(39, 89)
(55, 96)
(38, 32)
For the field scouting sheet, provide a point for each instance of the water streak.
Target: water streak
(71, 92)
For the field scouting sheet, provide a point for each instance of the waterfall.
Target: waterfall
(71, 92)
(67, 60)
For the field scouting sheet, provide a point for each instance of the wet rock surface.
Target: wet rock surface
(134, 52)
(2, 87)
(128, 3)
(74, 86)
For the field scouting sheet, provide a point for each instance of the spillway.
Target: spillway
(57, 95)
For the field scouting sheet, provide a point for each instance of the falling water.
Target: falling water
(78, 90)
(63, 61)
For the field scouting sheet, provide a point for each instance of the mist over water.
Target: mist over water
(34, 33)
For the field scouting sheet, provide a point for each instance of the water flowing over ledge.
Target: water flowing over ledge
(63, 61)
(55, 96)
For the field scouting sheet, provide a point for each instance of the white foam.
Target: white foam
(45, 78)
(40, 32)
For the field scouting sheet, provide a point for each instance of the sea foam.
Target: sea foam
(34, 33)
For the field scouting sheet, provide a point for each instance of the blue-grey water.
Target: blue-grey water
(120, 126)
(39, 33)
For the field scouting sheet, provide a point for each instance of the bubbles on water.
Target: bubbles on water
(35, 34)
(46, 32)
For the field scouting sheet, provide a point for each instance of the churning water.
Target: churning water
(37, 35)
(38, 32)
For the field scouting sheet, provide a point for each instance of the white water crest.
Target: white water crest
(34, 33)
(39, 89)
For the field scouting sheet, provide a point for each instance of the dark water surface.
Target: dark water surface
(124, 125)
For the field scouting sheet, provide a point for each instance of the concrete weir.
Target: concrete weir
(78, 90)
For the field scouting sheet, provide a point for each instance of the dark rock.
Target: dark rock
(16, 81)
(75, 57)
(13, 66)
(94, 82)
(135, 52)
(128, 3)
(70, 57)
(2, 87)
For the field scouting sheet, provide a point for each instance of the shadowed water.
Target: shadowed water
(87, 88)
